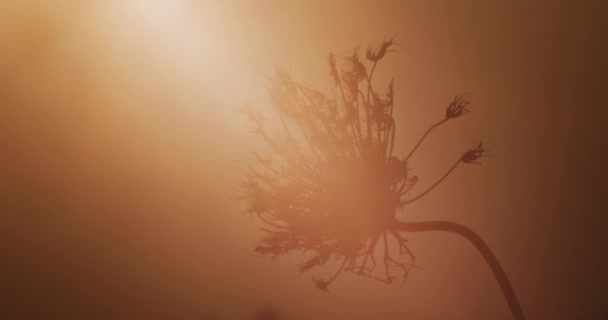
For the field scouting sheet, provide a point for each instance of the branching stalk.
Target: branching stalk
(433, 186)
(424, 137)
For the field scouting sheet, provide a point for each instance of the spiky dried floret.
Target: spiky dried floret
(458, 107)
(376, 54)
(475, 153)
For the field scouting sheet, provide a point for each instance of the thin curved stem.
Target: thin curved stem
(433, 186)
(481, 246)
(424, 137)
(337, 272)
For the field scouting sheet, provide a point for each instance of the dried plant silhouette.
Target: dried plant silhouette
(330, 185)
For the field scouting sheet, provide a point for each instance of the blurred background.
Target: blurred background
(120, 151)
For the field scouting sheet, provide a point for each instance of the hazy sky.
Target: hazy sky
(120, 151)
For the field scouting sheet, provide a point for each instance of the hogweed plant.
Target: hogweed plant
(331, 185)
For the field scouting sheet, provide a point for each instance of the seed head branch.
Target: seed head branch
(409, 155)
(433, 186)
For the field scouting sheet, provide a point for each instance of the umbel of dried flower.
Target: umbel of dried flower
(331, 184)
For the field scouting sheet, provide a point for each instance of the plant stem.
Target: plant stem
(425, 192)
(424, 136)
(481, 246)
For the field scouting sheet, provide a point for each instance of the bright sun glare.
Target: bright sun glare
(190, 37)
(195, 41)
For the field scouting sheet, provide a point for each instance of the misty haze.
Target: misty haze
(201, 159)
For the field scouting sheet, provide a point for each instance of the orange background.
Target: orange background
(120, 150)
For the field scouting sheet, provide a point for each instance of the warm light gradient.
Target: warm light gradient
(121, 150)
